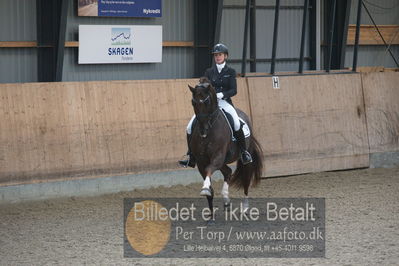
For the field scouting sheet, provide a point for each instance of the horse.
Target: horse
(212, 145)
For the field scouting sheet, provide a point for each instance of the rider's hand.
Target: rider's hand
(219, 95)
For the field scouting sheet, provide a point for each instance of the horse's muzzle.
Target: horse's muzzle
(203, 132)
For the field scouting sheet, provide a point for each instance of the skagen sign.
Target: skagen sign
(120, 44)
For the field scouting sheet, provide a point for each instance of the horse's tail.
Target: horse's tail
(244, 175)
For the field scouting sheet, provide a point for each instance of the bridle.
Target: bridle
(207, 99)
(210, 117)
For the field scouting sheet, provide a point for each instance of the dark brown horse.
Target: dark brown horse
(212, 146)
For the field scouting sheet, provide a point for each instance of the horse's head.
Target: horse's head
(205, 104)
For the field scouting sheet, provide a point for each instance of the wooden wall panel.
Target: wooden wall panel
(241, 100)
(381, 93)
(310, 124)
(369, 35)
(56, 131)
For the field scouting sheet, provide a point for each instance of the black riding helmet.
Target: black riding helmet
(220, 48)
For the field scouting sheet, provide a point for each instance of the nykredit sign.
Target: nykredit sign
(120, 8)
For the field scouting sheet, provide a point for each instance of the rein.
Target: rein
(212, 117)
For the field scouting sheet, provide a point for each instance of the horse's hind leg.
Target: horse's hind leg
(245, 204)
(226, 171)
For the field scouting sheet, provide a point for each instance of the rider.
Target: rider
(223, 78)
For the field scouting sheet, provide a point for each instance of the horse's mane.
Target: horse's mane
(205, 80)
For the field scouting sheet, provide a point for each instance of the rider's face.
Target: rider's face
(220, 58)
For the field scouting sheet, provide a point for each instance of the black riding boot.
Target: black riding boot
(246, 157)
(190, 161)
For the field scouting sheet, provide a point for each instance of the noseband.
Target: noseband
(202, 101)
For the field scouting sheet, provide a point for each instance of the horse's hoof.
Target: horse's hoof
(205, 192)
(227, 205)
(245, 209)
(211, 222)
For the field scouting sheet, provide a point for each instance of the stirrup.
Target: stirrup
(189, 162)
(246, 157)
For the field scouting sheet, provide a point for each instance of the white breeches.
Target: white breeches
(226, 107)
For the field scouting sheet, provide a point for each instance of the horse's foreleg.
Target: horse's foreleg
(216, 164)
(210, 204)
(209, 196)
(206, 189)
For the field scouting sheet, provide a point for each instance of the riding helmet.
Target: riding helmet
(220, 48)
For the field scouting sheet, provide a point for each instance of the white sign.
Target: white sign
(276, 83)
(119, 44)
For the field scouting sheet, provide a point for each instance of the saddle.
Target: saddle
(230, 122)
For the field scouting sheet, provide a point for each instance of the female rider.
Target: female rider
(223, 79)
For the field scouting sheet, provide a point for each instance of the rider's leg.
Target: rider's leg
(190, 161)
(238, 133)
(245, 155)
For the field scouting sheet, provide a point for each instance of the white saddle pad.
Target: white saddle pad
(245, 127)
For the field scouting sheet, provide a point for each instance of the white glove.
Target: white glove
(220, 95)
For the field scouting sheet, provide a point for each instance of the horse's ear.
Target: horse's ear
(191, 88)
